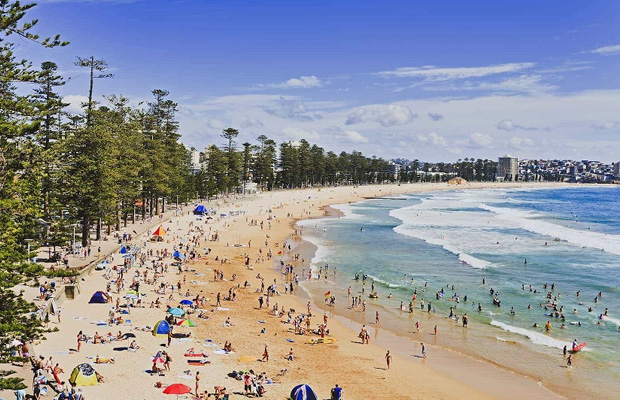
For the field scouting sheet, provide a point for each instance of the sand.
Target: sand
(359, 369)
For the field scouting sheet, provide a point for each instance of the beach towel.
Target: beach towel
(222, 352)
(290, 340)
(223, 309)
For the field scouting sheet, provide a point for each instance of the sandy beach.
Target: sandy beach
(263, 224)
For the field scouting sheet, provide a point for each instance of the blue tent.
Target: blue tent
(303, 392)
(98, 297)
(200, 210)
(161, 328)
(123, 250)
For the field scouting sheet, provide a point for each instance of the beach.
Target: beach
(252, 227)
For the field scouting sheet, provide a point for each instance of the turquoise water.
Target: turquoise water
(569, 237)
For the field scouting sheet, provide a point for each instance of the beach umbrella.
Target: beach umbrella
(177, 312)
(132, 292)
(16, 342)
(187, 322)
(246, 359)
(176, 254)
(187, 302)
(123, 250)
(160, 231)
(177, 388)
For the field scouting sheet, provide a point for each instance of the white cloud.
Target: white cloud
(528, 84)
(520, 143)
(606, 126)
(508, 125)
(607, 50)
(292, 109)
(355, 136)
(297, 134)
(343, 135)
(479, 140)
(303, 82)
(75, 102)
(432, 138)
(434, 74)
(385, 115)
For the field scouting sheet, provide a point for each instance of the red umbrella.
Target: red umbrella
(177, 388)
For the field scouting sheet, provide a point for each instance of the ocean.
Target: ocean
(443, 245)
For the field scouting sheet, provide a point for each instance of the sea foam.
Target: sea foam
(532, 222)
(535, 337)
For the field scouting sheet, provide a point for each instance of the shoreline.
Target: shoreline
(357, 365)
(452, 362)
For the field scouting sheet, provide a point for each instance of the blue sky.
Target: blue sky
(433, 80)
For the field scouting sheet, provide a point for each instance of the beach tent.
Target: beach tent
(123, 250)
(200, 210)
(161, 328)
(83, 375)
(303, 392)
(98, 298)
(178, 255)
(160, 231)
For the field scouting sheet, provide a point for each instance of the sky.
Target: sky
(434, 80)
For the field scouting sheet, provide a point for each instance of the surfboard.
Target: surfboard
(578, 347)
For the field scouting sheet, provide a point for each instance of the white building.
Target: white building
(507, 168)
(194, 161)
(617, 169)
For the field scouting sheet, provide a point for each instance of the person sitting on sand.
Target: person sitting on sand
(290, 356)
(134, 345)
(228, 347)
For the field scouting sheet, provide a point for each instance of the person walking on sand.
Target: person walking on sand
(266, 354)
(423, 350)
(80, 339)
(377, 319)
(388, 359)
(197, 381)
(569, 361)
(435, 329)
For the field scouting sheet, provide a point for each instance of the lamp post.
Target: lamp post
(28, 243)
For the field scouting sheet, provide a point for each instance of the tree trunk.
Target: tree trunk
(85, 230)
(143, 209)
(118, 216)
(99, 223)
